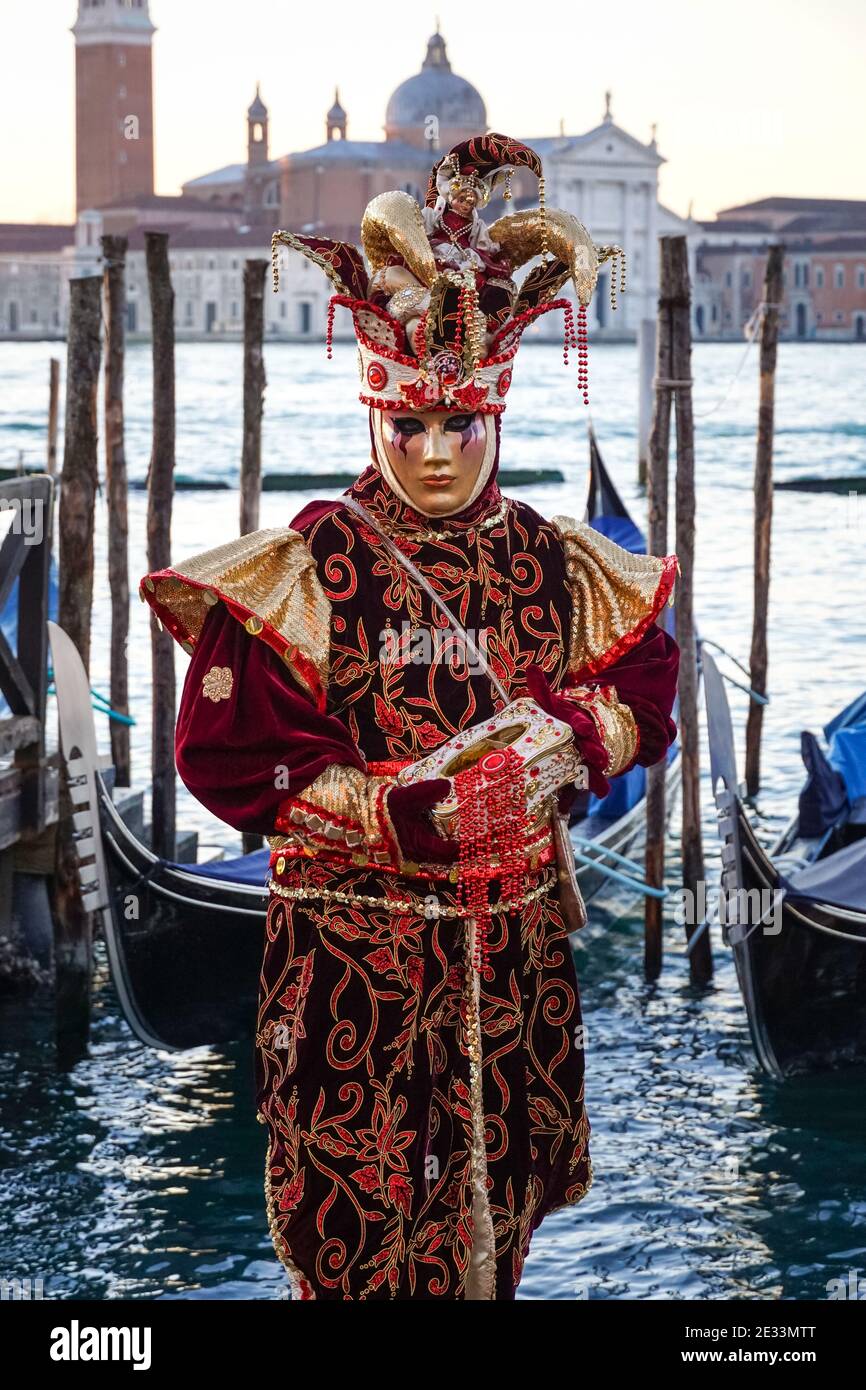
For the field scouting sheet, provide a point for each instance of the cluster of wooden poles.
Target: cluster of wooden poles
(80, 483)
(673, 387)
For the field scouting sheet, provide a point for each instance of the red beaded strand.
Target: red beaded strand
(332, 309)
(473, 855)
(492, 824)
(461, 311)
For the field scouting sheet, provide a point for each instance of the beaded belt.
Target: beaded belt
(428, 907)
(284, 856)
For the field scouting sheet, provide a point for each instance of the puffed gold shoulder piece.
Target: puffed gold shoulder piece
(615, 594)
(268, 581)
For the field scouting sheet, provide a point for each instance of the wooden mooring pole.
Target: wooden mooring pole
(160, 493)
(763, 512)
(79, 479)
(673, 382)
(114, 270)
(701, 958)
(53, 411)
(254, 391)
(657, 480)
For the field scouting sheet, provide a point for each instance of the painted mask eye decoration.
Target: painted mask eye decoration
(435, 460)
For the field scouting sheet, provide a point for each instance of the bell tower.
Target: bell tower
(257, 130)
(258, 173)
(113, 101)
(336, 121)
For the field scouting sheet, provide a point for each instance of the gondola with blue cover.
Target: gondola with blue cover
(795, 914)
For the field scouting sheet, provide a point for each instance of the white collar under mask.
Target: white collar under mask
(385, 468)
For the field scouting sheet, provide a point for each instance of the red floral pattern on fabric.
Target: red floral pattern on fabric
(366, 1091)
(362, 1061)
(507, 581)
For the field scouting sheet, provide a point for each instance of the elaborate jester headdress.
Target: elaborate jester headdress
(461, 356)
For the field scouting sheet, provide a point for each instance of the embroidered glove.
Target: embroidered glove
(587, 738)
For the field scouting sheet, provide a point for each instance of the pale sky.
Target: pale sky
(751, 97)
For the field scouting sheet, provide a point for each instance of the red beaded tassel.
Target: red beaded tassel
(461, 314)
(492, 828)
(582, 354)
(329, 336)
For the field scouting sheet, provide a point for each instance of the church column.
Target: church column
(622, 317)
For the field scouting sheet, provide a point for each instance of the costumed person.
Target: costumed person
(402, 690)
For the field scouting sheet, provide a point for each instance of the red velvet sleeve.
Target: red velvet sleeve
(645, 679)
(247, 737)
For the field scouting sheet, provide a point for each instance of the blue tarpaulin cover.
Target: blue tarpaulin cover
(246, 868)
(621, 530)
(9, 617)
(848, 756)
(839, 880)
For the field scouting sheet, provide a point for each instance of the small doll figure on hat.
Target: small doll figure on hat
(459, 240)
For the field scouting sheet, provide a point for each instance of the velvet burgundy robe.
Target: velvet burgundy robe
(363, 1072)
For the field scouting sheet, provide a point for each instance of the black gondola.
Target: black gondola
(185, 941)
(795, 915)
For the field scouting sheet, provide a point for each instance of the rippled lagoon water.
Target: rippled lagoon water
(140, 1175)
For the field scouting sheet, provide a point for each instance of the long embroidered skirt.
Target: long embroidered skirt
(397, 1166)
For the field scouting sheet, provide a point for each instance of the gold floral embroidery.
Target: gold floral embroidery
(217, 683)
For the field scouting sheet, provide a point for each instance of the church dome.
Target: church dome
(435, 91)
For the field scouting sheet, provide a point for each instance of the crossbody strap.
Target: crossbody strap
(361, 512)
